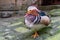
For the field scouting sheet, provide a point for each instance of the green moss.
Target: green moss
(21, 29)
(55, 12)
(56, 37)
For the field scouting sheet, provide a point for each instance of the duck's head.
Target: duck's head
(32, 10)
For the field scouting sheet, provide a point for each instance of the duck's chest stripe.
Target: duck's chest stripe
(37, 20)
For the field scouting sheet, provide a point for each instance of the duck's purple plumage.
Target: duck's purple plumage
(31, 17)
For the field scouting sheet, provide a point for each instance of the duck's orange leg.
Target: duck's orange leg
(35, 35)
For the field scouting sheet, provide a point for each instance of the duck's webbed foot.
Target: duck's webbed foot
(35, 35)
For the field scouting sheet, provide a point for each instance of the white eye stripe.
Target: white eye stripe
(32, 8)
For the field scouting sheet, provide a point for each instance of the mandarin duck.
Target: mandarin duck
(35, 16)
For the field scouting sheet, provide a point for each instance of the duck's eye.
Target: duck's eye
(30, 10)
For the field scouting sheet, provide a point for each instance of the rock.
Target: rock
(6, 14)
